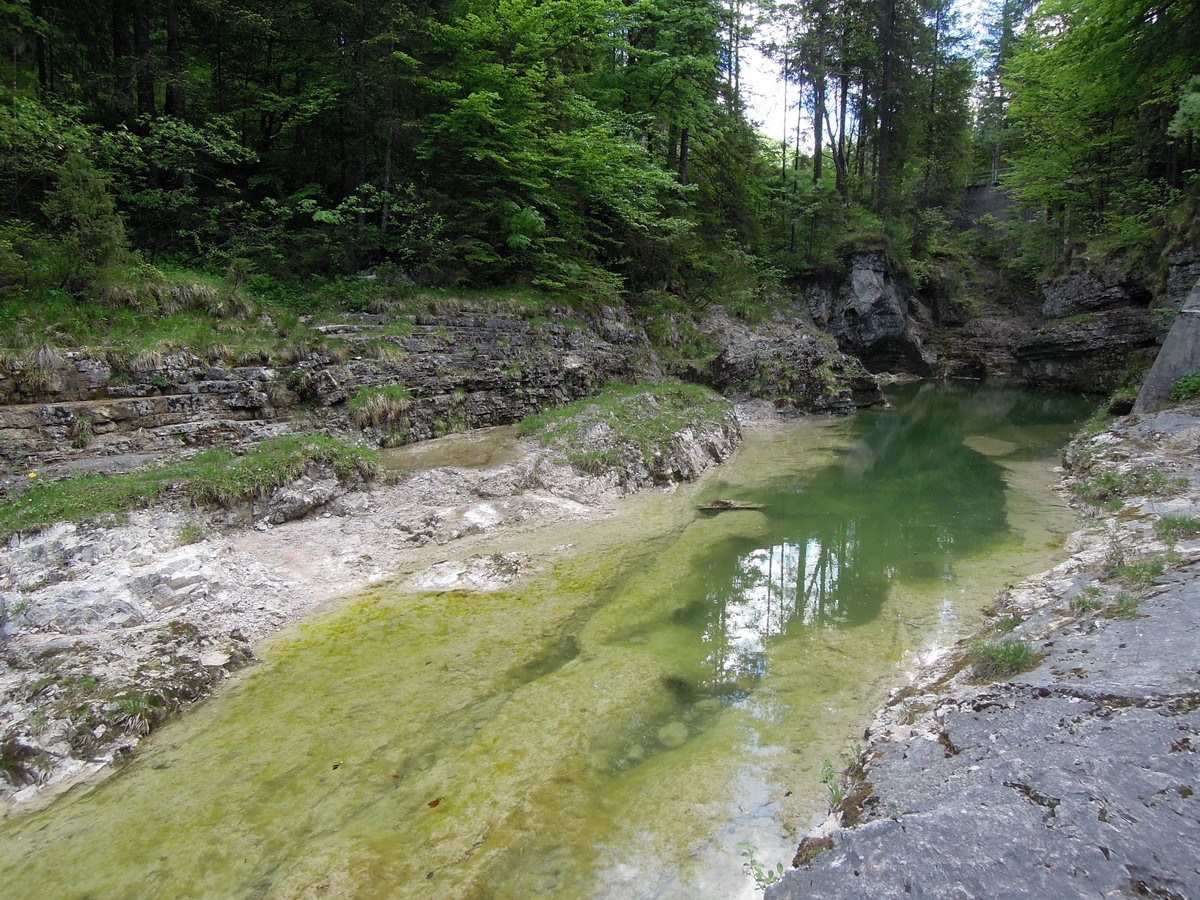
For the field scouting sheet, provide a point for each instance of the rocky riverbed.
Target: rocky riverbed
(109, 629)
(1077, 776)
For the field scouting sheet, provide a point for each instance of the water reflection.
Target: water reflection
(909, 499)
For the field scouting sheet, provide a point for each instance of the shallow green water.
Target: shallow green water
(614, 726)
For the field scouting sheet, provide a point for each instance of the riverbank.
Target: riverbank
(111, 629)
(1077, 775)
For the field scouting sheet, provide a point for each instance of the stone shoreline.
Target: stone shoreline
(1076, 778)
(109, 630)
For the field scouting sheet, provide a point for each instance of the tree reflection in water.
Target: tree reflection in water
(907, 501)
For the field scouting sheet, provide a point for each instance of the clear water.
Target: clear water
(661, 691)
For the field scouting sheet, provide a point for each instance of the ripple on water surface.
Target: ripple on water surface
(614, 726)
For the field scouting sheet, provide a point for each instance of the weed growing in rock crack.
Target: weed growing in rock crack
(1009, 623)
(387, 405)
(1086, 600)
(1126, 606)
(990, 660)
(1172, 529)
(1141, 572)
(38, 719)
(856, 762)
(1185, 388)
(835, 791)
(1107, 490)
(761, 874)
(135, 713)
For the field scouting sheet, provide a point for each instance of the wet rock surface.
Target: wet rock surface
(1089, 353)
(1077, 778)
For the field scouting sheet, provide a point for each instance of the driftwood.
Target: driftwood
(727, 505)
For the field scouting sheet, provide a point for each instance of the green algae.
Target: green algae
(614, 725)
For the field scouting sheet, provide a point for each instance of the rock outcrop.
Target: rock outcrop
(1089, 351)
(788, 361)
(872, 314)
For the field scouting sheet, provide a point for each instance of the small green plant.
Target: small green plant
(856, 762)
(1172, 529)
(1185, 388)
(1086, 600)
(161, 382)
(1108, 489)
(191, 533)
(81, 431)
(1009, 623)
(1126, 606)
(835, 791)
(990, 660)
(1138, 573)
(135, 713)
(762, 875)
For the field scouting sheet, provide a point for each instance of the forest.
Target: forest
(594, 149)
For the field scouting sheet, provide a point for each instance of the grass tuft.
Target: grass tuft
(1108, 489)
(1171, 529)
(990, 660)
(387, 406)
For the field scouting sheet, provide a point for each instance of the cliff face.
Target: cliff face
(874, 315)
(1078, 332)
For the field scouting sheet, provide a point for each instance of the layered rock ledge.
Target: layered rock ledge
(1078, 777)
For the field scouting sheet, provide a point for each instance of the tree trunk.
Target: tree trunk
(819, 97)
(684, 152)
(883, 166)
(175, 99)
(122, 47)
(141, 49)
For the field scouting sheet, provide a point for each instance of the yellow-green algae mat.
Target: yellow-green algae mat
(613, 726)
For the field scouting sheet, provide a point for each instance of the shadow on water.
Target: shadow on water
(906, 501)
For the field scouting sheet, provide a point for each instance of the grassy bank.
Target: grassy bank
(213, 477)
(593, 434)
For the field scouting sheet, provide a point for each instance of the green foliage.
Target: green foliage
(1085, 600)
(991, 660)
(762, 875)
(1095, 88)
(1185, 388)
(216, 477)
(1107, 490)
(835, 791)
(1126, 606)
(1172, 529)
(1140, 572)
(384, 406)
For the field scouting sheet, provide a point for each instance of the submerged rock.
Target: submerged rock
(673, 735)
